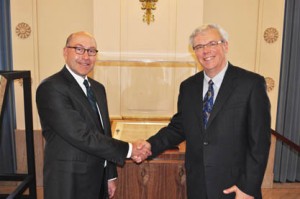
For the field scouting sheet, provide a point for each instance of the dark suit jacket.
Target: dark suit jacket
(75, 148)
(234, 148)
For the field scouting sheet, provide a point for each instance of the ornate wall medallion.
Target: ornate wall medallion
(270, 83)
(23, 30)
(271, 35)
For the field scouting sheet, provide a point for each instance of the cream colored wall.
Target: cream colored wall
(122, 35)
(25, 52)
(56, 20)
(246, 22)
(41, 53)
(239, 19)
(116, 24)
(125, 37)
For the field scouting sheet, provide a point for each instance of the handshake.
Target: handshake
(141, 149)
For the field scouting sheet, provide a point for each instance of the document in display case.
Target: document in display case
(129, 131)
(132, 130)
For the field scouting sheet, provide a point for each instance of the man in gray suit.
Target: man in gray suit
(79, 152)
(224, 117)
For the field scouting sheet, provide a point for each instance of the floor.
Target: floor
(279, 191)
(282, 191)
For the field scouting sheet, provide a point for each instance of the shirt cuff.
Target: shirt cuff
(129, 150)
(111, 179)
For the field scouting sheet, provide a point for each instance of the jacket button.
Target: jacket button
(205, 143)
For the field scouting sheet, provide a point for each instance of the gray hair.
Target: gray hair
(205, 27)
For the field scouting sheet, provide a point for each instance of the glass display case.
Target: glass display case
(142, 89)
(142, 97)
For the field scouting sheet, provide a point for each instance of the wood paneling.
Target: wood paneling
(152, 178)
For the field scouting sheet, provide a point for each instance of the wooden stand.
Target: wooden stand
(163, 177)
(28, 180)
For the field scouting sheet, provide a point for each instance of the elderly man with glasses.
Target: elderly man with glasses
(224, 117)
(80, 154)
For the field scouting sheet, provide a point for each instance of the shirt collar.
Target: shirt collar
(78, 78)
(218, 78)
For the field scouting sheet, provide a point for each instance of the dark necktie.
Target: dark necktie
(91, 98)
(208, 102)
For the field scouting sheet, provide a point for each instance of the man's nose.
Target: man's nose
(85, 54)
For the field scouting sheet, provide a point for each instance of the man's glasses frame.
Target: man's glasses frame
(211, 44)
(81, 50)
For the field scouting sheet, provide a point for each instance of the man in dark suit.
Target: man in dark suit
(227, 133)
(79, 152)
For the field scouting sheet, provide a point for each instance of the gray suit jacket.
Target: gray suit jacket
(75, 149)
(234, 148)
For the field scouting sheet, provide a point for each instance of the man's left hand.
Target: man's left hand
(238, 193)
(112, 186)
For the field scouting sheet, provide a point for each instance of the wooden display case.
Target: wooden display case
(163, 177)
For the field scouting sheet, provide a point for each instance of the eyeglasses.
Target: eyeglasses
(211, 44)
(80, 50)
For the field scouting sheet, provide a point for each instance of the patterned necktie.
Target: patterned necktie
(91, 98)
(208, 102)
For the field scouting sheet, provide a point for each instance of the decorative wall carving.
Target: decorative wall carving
(270, 83)
(148, 6)
(23, 30)
(271, 35)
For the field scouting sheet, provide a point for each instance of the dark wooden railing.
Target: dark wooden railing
(290, 143)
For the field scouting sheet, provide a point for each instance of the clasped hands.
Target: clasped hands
(141, 149)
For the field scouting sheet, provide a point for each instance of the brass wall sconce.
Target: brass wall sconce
(148, 6)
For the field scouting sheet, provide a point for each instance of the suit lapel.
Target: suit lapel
(197, 91)
(225, 91)
(80, 95)
(74, 86)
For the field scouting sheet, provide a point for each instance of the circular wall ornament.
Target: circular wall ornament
(23, 30)
(271, 35)
(270, 83)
